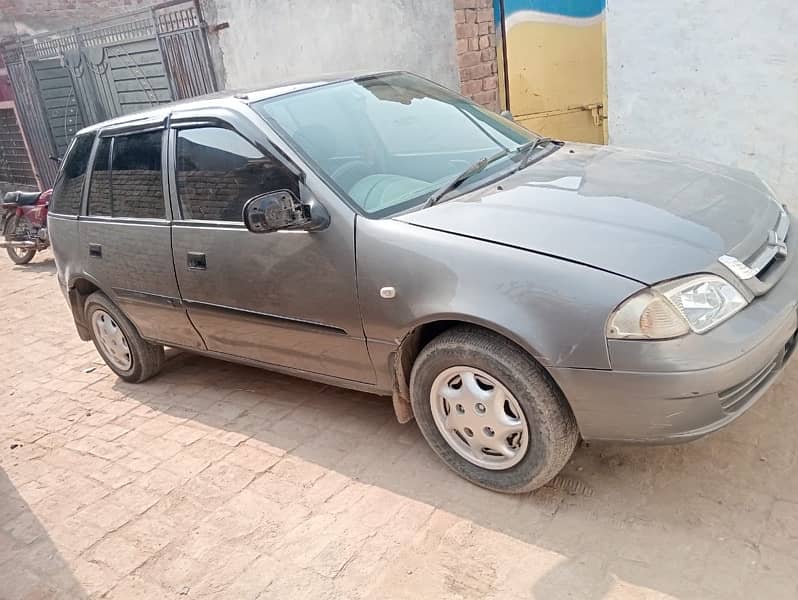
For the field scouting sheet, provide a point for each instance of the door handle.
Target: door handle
(96, 250)
(196, 261)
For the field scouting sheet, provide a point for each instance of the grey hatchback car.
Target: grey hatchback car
(379, 232)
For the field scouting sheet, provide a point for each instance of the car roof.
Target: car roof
(224, 97)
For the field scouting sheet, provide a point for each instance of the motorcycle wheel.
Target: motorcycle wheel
(21, 256)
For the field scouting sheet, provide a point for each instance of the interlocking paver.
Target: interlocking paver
(221, 481)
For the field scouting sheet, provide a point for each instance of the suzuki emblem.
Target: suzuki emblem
(775, 242)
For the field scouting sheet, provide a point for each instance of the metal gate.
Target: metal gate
(66, 80)
(552, 66)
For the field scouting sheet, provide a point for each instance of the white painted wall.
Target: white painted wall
(277, 40)
(711, 79)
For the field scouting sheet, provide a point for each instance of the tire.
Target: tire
(145, 359)
(9, 229)
(551, 430)
(22, 258)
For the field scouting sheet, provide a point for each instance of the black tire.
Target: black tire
(553, 433)
(146, 359)
(21, 259)
(9, 229)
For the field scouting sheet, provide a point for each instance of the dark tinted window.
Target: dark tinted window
(136, 182)
(69, 185)
(218, 171)
(100, 185)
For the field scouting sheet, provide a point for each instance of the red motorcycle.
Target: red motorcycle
(24, 224)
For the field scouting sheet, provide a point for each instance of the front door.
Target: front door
(286, 298)
(553, 66)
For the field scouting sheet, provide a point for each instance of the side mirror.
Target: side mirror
(282, 210)
(507, 115)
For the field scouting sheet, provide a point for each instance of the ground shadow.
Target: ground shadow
(30, 564)
(37, 265)
(651, 516)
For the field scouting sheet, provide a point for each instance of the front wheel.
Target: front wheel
(21, 256)
(490, 412)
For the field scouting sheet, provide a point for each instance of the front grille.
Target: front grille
(769, 252)
(735, 398)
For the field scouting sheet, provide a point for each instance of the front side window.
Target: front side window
(68, 188)
(389, 141)
(218, 171)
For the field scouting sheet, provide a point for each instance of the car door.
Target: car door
(125, 235)
(286, 298)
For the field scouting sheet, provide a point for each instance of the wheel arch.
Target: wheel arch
(422, 333)
(79, 288)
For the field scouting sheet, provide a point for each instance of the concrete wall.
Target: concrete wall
(709, 79)
(272, 40)
(20, 17)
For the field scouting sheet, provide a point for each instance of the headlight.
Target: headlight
(674, 308)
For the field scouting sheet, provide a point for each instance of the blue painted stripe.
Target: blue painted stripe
(567, 8)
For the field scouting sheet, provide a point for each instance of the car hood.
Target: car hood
(643, 215)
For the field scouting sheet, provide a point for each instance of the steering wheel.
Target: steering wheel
(350, 173)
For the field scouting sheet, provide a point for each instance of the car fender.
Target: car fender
(554, 309)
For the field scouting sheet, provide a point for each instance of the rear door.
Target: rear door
(125, 234)
(286, 298)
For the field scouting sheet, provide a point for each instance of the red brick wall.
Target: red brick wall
(476, 51)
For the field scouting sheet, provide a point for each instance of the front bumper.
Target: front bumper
(679, 390)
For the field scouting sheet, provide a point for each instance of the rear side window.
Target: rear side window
(218, 171)
(68, 188)
(126, 177)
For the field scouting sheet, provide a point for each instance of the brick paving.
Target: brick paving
(220, 481)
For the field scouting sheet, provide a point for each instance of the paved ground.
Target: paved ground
(220, 481)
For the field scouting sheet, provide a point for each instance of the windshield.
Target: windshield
(390, 141)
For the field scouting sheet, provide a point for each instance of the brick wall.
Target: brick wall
(476, 51)
(216, 195)
(137, 193)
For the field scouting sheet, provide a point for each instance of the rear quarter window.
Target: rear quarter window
(68, 187)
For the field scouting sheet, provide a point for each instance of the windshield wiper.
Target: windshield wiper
(469, 172)
(527, 149)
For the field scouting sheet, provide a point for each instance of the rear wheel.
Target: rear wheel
(490, 412)
(16, 228)
(120, 345)
(21, 256)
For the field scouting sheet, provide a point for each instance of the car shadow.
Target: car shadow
(676, 519)
(46, 265)
(31, 565)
